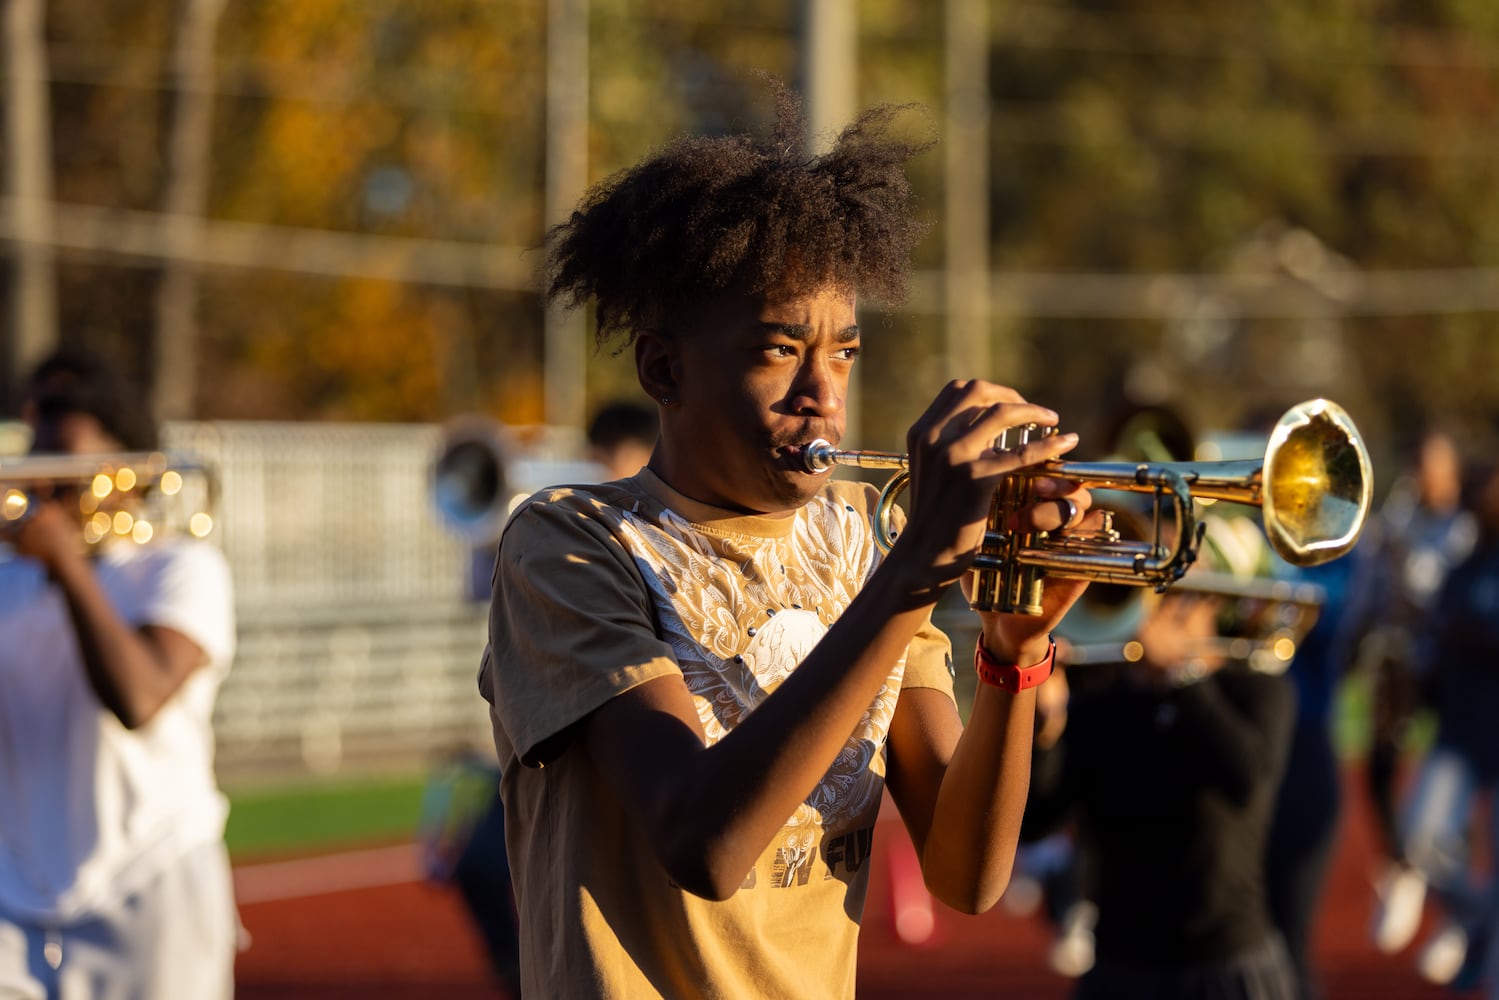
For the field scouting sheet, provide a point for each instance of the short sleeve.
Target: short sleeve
(191, 592)
(571, 624)
(929, 661)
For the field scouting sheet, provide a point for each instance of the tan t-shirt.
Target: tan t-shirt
(601, 588)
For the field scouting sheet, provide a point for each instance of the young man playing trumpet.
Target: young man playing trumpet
(114, 881)
(704, 677)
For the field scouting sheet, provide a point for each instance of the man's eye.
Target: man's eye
(850, 353)
(780, 350)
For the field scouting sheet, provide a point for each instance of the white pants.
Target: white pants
(173, 940)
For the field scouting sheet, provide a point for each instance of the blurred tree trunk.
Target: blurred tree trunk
(966, 189)
(828, 57)
(28, 222)
(567, 76)
(184, 198)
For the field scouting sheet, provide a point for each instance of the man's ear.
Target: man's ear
(656, 364)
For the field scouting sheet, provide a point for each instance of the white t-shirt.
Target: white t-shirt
(90, 811)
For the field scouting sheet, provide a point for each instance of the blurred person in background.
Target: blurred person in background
(621, 436)
(471, 852)
(1422, 531)
(704, 678)
(1060, 859)
(1462, 767)
(1308, 804)
(1309, 801)
(1168, 765)
(1055, 866)
(114, 879)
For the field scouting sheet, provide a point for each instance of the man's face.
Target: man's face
(69, 434)
(758, 377)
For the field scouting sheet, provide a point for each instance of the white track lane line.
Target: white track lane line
(277, 880)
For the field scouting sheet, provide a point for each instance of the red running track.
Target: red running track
(313, 937)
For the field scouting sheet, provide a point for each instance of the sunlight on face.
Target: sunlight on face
(758, 377)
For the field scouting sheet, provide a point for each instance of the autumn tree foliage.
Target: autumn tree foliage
(377, 168)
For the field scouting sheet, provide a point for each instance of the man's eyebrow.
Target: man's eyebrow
(801, 331)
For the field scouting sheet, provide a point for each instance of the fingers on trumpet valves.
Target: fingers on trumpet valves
(1071, 510)
(1013, 439)
(1066, 512)
(1033, 444)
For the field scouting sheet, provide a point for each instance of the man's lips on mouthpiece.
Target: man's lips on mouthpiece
(794, 455)
(797, 456)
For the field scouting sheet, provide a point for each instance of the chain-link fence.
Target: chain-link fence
(360, 628)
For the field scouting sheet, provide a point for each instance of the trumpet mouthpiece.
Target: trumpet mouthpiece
(819, 456)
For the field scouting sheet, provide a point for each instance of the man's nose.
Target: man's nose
(818, 390)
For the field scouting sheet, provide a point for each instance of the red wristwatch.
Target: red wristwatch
(1009, 676)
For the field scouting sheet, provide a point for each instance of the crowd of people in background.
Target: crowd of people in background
(1426, 622)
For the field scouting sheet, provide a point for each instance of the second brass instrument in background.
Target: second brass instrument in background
(102, 482)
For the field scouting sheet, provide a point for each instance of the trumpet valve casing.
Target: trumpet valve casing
(1001, 581)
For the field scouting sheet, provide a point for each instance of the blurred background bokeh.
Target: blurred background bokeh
(321, 209)
(309, 226)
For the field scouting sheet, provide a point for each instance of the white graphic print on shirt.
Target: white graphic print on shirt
(741, 612)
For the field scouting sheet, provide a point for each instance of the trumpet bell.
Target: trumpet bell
(1318, 484)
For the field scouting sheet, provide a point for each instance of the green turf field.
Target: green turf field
(312, 816)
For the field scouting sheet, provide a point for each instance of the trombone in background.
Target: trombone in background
(1313, 487)
(468, 481)
(119, 494)
(483, 469)
(1261, 621)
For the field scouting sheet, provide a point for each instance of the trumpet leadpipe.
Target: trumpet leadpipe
(820, 456)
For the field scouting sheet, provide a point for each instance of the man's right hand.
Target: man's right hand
(1179, 631)
(955, 470)
(46, 534)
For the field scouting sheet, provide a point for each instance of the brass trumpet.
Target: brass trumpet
(102, 481)
(1313, 486)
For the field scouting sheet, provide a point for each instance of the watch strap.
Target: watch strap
(1009, 676)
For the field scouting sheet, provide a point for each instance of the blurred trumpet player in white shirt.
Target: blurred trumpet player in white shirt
(114, 880)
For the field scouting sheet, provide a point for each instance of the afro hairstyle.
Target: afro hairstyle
(707, 215)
